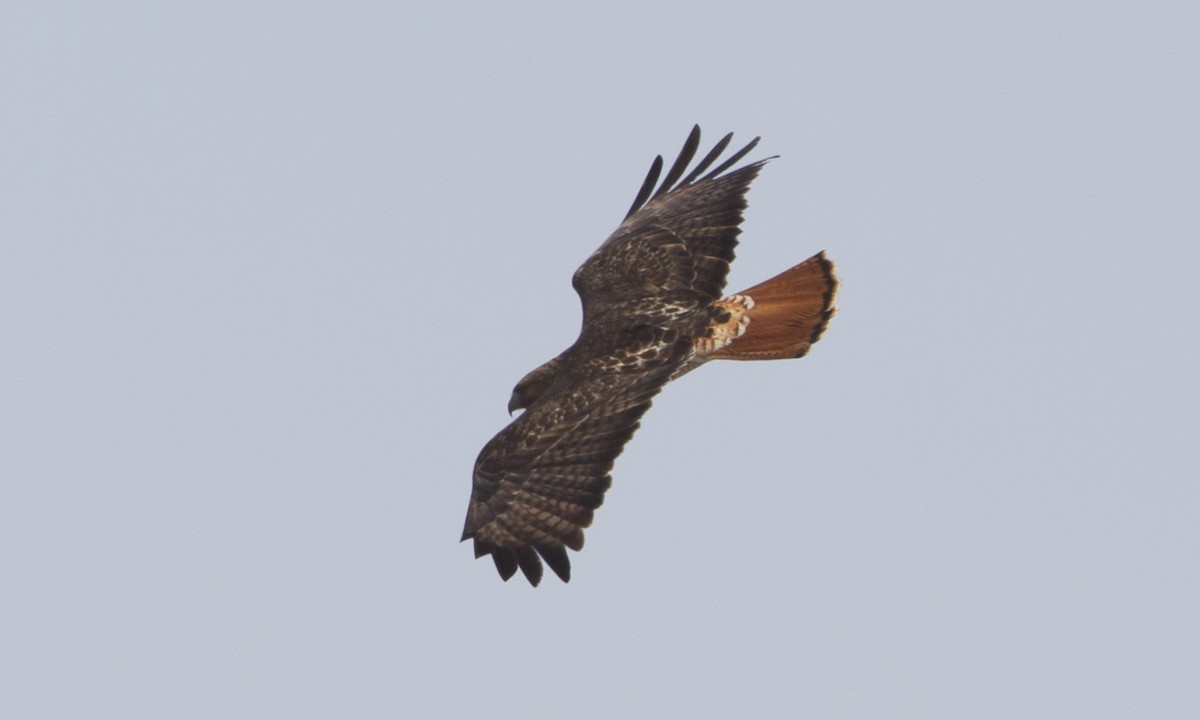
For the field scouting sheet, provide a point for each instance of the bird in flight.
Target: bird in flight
(652, 311)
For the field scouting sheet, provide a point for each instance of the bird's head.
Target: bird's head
(531, 387)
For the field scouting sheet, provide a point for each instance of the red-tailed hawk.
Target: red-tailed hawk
(652, 310)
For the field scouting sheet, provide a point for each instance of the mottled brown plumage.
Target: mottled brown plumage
(652, 310)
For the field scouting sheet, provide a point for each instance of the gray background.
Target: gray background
(270, 271)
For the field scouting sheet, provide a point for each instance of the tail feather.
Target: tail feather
(789, 313)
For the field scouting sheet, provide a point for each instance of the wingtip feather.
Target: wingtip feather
(556, 557)
(506, 562)
(530, 564)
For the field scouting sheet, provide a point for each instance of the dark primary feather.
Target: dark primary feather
(685, 157)
(646, 293)
(713, 155)
(647, 186)
(732, 159)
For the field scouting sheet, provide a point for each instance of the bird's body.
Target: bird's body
(652, 310)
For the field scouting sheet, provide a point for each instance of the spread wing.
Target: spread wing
(537, 483)
(646, 292)
(677, 241)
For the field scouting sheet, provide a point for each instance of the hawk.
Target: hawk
(652, 311)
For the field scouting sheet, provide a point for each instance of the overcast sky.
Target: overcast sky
(269, 272)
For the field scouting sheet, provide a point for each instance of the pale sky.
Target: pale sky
(269, 273)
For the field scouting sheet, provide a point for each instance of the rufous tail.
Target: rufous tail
(788, 313)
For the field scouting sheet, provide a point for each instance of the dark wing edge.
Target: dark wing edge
(686, 153)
